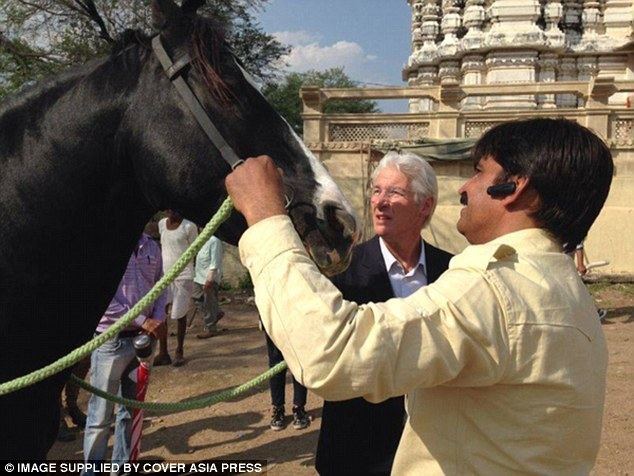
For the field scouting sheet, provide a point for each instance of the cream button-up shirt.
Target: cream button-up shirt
(503, 359)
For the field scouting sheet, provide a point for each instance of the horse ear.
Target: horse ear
(190, 7)
(163, 12)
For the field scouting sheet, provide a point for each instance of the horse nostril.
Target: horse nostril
(349, 222)
(339, 220)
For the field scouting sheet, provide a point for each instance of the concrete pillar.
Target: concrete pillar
(473, 69)
(547, 74)
(567, 72)
(511, 67)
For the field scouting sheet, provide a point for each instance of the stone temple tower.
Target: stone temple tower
(470, 42)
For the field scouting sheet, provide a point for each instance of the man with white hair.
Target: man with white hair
(356, 436)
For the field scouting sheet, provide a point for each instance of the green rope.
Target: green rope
(186, 405)
(80, 352)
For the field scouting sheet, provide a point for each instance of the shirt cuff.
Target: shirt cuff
(267, 239)
(140, 319)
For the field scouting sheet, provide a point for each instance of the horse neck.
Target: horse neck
(67, 169)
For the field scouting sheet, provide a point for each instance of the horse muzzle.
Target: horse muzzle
(328, 234)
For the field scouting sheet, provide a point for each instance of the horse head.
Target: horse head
(181, 168)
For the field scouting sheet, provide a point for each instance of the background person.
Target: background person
(112, 363)
(207, 278)
(502, 358)
(277, 386)
(177, 234)
(580, 261)
(579, 258)
(356, 436)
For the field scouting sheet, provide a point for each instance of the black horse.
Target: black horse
(86, 159)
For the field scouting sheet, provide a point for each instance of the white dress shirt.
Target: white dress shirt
(404, 284)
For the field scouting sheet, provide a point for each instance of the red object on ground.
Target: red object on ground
(143, 378)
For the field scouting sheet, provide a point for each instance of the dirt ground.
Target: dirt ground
(240, 429)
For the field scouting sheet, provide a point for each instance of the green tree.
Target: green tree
(284, 95)
(41, 37)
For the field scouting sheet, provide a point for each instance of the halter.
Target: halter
(174, 71)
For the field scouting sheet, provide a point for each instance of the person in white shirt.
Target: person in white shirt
(177, 234)
(207, 277)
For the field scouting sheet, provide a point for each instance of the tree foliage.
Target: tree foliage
(284, 96)
(41, 37)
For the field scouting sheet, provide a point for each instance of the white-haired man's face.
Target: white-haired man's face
(396, 215)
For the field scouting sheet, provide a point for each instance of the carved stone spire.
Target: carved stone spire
(430, 14)
(591, 21)
(417, 38)
(513, 23)
(553, 13)
(450, 25)
(474, 18)
(571, 22)
(617, 18)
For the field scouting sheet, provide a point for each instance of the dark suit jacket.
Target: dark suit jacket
(358, 437)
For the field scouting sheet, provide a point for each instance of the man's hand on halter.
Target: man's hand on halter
(256, 189)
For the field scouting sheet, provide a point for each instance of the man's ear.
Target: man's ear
(426, 207)
(164, 12)
(524, 196)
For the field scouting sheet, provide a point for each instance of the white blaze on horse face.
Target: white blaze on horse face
(327, 191)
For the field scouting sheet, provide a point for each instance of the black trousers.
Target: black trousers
(278, 382)
(358, 437)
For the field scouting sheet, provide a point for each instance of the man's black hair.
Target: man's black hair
(568, 165)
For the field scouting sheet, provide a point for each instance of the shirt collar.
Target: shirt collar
(143, 241)
(529, 239)
(389, 258)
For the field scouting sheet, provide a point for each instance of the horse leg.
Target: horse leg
(31, 420)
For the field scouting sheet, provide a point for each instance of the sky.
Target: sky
(369, 38)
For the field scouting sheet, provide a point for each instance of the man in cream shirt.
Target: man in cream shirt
(502, 358)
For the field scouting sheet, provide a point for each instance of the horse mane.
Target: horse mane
(14, 116)
(209, 35)
(60, 81)
(56, 85)
(208, 41)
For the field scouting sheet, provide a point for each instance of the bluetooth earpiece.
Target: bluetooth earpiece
(502, 189)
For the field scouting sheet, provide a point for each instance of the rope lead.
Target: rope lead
(80, 352)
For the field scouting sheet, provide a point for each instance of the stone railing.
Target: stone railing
(450, 120)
